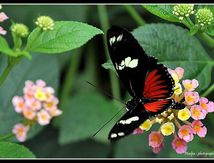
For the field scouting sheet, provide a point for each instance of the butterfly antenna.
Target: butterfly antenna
(107, 122)
(107, 94)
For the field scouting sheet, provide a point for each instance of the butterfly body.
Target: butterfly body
(149, 83)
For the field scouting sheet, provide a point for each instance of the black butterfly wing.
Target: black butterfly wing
(131, 120)
(129, 59)
(142, 78)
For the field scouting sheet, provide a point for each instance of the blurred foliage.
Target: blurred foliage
(85, 108)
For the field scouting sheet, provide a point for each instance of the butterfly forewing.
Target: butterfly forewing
(129, 59)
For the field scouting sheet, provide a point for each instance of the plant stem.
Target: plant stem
(207, 39)
(135, 15)
(202, 35)
(105, 26)
(10, 63)
(70, 75)
(6, 137)
(208, 91)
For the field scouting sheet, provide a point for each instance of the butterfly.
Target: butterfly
(149, 83)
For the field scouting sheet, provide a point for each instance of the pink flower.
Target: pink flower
(2, 31)
(191, 97)
(179, 145)
(180, 72)
(34, 104)
(18, 103)
(186, 133)
(20, 131)
(158, 149)
(190, 85)
(155, 139)
(138, 131)
(43, 117)
(40, 83)
(211, 106)
(199, 128)
(206, 105)
(29, 114)
(197, 112)
(51, 105)
(3, 16)
(55, 112)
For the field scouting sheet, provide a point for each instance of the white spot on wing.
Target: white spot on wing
(133, 63)
(119, 38)
(128, 121)
(121, 134)
(112, 40)
(113, 135)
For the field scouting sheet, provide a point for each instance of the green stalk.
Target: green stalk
(208, 91)
(10, 64)
(102, 11)
(207, 39)
(135, 15)
(70, 75)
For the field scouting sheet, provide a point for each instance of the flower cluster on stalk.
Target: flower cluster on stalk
(38, 104)
(182, 124)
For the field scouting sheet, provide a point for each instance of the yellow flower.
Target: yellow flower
(177, 89)
(184, 114)
(167, 128)
(40, 95)
(175, 77)
(146, 125)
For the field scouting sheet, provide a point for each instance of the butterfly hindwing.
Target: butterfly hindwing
(131, 120)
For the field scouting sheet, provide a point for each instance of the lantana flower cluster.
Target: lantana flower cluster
(37, 105)
(3, 17)
(203, 16)
(183, 124)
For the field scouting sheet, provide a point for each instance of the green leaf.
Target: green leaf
(12, 150)
(162, 11)
(108, 65)
(67, 35)
(5, 49)
(26, 70)
(173, 46)
(133, 146)
(51, 149)
(84, 114)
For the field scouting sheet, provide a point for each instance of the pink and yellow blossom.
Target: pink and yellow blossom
(191, 97)
(20, 131)
(199, 128)
(190, 85)
(186, 133)
(197, 112)
(155, 139)
(38, 103)
(3, 17)
(179, 145)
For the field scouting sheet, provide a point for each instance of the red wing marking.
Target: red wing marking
(158, 105)
(156, 85)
